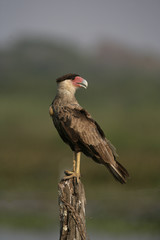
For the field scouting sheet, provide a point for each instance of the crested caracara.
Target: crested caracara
(82, 133)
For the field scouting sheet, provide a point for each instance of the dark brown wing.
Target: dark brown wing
(82, 133)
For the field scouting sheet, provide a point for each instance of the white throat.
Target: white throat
(66, 90)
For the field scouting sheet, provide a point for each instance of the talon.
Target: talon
(68, 173)
(71, 175)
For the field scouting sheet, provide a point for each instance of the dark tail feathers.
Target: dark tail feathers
(118, 171)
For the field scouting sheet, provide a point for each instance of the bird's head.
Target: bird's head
(70, 82)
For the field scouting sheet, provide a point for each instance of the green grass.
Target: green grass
(28, 221)
(118, 226)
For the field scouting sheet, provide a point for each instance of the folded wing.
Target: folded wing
(82, 133)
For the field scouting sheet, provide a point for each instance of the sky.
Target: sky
(132, 22)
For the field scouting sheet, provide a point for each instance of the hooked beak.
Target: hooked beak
(83, 84)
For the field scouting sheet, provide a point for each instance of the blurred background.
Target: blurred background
(115, 46)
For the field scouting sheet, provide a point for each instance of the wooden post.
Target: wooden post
(72, 210)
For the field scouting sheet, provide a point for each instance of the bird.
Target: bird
(80, 131)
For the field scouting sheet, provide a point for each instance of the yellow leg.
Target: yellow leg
(74, 161)
(78, 163)
(76, 168)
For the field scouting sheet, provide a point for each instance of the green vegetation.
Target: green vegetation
(125, 102)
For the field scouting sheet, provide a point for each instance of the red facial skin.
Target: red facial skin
(76, 82)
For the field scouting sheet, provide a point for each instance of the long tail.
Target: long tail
(118, 171)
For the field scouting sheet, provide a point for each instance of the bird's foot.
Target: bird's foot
(71, 174)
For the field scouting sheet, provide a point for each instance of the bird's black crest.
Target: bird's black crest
(67, 76)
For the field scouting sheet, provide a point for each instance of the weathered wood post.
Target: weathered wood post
(72, 210)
